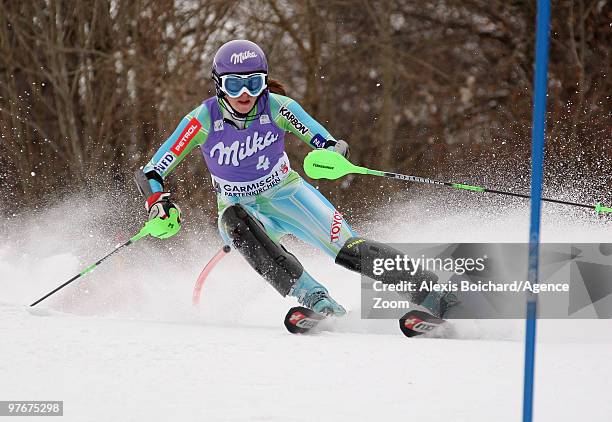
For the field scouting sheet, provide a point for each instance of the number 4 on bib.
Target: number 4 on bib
(263, 163)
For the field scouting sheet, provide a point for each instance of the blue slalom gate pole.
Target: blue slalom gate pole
(537, 158)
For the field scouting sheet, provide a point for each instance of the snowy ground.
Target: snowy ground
(125, 344)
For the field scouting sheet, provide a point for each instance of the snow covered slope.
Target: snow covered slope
(125, 344)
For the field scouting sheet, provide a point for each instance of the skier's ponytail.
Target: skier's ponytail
(276, 87)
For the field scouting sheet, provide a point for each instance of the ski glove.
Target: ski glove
(164, 216)
(339, 146)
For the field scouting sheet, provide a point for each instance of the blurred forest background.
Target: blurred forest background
(437, 88)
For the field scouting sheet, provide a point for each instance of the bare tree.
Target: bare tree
(89, 89)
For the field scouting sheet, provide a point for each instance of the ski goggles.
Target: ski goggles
(235, 85)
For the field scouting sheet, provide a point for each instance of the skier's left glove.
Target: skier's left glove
(339, 146)
(164, 215)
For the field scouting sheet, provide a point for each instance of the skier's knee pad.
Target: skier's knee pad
(360, 255)
(275, 264)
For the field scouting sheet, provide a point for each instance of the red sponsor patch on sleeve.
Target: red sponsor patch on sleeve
(186, 136)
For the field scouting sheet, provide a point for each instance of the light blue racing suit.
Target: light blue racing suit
(287, 205)
(249, 167)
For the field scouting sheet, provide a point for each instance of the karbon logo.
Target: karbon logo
(295, 122)
(186, 136)
(240, 57)
(335, 227)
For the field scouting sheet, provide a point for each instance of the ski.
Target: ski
(300, 320)
(416, 322)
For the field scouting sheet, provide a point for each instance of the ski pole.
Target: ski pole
(324, 164)
(142, 233)
(197, 289)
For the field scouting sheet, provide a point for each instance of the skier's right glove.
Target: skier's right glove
(164, 216)
(339, 146)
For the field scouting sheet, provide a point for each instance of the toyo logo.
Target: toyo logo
(238, 151)
(240, 57)
(335, 227)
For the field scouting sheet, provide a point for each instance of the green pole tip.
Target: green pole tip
(468, 187)
(600, 208)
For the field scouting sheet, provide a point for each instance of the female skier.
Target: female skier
(240, 132)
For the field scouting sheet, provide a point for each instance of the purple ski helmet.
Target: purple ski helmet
(239, 57)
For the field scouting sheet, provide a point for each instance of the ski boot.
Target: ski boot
(314, 296)
(320, 302)
(438, 303)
